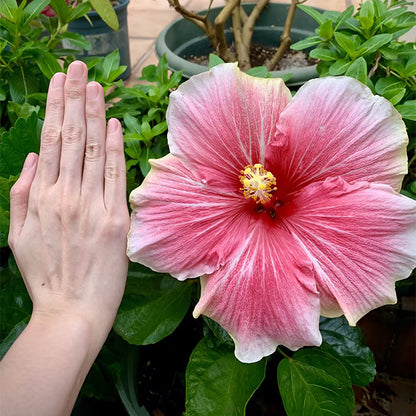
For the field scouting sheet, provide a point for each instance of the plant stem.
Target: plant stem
(219, 24)
(285, 39)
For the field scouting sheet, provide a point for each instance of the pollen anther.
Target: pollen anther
(258, 183)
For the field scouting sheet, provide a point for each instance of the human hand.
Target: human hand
(68, 216)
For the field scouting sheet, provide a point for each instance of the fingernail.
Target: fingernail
(92, 90)
(76, 70)
(30, 161)
(58, 80)
(113, 125)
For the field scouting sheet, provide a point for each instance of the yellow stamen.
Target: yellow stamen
(258, 183)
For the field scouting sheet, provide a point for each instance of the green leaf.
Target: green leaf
(347, 345)
(306, 43)
(79, 11)
(346, 43)
(374, 43)
(323, 54)
(8, 8)
(366, 15)
(408, 110)
(313, 383)
(33, 10)
(17, 143)
(326, 30)
(339, 67)
(312, 13)
(4, 227)
(61, 9)
(214, 60)
(77, 40)
(345, 15)
(48, 64)
(358, 70)
(391, 88)
(105, 10)
(258, 71)
(152, 307)
(218, 384)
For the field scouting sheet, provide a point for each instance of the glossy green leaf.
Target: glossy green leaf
(306, 43)
(346, 43)
(339, 67)
(374, 43)
(214, 60)
(217, 383)
(153, 306)
(315, 14)
(323, 54)
(366, 15)
(258, 71)
(313, 383)
(358, 70)
(391, 88)
(346, 14)
(105, 10)
(408, 110)
(16, 144)
(326, 30)
(347, 345)
(77, 40)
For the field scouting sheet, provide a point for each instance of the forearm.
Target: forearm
(43, 371)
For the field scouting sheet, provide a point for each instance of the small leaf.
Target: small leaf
(8, 8)
(391, 88)
(408, 110)
(326, 30)
(346, 43)
(218, 384)
(313, 383)
(105, 10)
(347, 345)
(323, 54)
(306, 43)
(258, 71)
(366, 15)
(358, 70)
(313, 13)
(373, 44)
(33, 10)
(214, 60)
(346, 14)
(339, 67)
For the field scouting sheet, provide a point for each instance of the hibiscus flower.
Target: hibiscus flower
(287, 208)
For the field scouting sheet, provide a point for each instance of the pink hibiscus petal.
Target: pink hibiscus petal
(224, 118)
(361, 238)
(179, 225)
(265, 296)
(335, 126)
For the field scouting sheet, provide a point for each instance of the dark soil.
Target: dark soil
(260, 55)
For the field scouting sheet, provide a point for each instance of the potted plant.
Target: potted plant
(231, 30)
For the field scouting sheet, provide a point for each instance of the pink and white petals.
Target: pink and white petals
(180, 225)
(335, 126)
(265, 296)
(224, 118)
(361, 239)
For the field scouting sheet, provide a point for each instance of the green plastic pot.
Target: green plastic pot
(103, 39)
(182, 38)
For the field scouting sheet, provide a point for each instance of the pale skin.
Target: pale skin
(68, 233)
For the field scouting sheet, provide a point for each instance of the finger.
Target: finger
(115, 168)
(73, 128)
(50, 148)
(19, 197)
(93, 176)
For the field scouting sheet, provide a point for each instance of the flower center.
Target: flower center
(258, 183)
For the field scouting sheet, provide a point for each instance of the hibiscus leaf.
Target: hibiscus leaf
(346, 344)
(313, 383)
(152, 307)
(217, 383)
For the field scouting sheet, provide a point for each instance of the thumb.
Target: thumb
(19, 197)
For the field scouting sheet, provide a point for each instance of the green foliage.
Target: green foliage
(152, 307)
(217, 383)
(313, 383)
(367, 46)
(105, 10)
